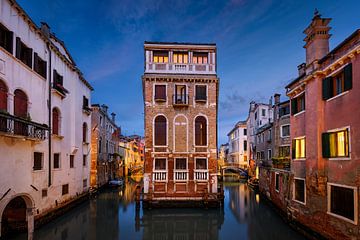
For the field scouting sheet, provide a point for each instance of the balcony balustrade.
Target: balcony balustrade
(201, 175)
(18, 127)
(160, 176)
(181, 175)
(189, 68)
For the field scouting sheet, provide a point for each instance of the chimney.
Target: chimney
(104, 108)
(113, 117)
(277, 98)
(45, 29)
(252, 106)
(317, 38)
(301, 69)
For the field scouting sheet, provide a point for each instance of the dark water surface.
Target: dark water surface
(113, 215)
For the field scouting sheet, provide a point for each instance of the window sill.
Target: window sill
(299, 159)
(57, 92)
(56, 169)
(299, 113)
(339, 159)
(277, 191)
(160, 100)
(285, 136)
(343, 218)
(201, 100)
(303, 203)
(57, 136)
(339, 95)
(38, 171)
(86, 143)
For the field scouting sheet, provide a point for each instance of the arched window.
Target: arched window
(200, 131)
(55, 121)
(20, 104)
(3, 96)
(160, 131)
(84, 129)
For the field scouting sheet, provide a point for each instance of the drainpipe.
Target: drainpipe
(49, 109)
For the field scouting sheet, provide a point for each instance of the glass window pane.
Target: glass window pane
(341, 144)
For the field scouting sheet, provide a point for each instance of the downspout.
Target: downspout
(49, 111)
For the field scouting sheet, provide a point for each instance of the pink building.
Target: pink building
(325, 133)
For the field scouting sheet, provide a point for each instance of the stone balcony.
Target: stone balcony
(175, 68)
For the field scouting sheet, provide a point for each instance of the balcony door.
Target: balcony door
(180, 94)
(20, 110)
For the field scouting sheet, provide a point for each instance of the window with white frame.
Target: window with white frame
(299, 190)
(285, 131)
(180, 164)
(201, 163)
(336, 144)
(342, 202)
(269, 154)
(298, 148)
(160, 164)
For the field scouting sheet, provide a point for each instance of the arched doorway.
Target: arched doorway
(16, 216)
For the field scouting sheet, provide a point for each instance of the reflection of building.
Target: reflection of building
(325, 134)
(240, 202)
(238, 145)
(180, 88)
(182, 224)
(105, 158)
(223, 153)
(44, 122)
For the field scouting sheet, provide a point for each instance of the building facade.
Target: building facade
(132, 150)
(44, 123)
(237, 140)
(180, 88)
(105, 150)
(325, 129)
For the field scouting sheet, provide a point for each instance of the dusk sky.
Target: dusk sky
(260, 44)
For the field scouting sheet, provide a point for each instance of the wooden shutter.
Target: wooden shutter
(20, 104)
(84, 132)
(327, 88)
(293, 148)
(55, 121)
(160, 131)
(293, 106)
(36, 63)
(200, 93)
(18, 48)
(9, 41)
(325, 145)
(348, 77)
(3, 96)
(160, 92)
(29, 53)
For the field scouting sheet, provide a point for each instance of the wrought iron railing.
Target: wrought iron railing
(16, 126)
(180, 99)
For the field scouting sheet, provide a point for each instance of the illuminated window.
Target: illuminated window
(298, 104)
(180, 57)
(335, 144)
(298, 148)
(200, 58)
(160, 57)
(335, 85)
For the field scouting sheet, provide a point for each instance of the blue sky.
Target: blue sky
(260, 43)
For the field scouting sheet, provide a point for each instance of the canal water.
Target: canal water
(113, 215)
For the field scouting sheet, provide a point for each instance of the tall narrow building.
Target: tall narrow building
(180, 88)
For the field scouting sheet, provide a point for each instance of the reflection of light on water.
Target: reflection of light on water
(257, 198)
(120, 193)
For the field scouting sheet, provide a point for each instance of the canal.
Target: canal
(113, 215)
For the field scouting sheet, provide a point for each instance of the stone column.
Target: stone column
(30, 223)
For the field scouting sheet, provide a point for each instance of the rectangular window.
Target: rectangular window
(38, 161)
(23, 53)
(200, 57)
(245, 132)
(277, 182)
(335, 85)
(56, 160)
(58, 83)
(263, 111)
(180, 164)
(39, 66)
(284, 151)
(160, 163)
(180, 96)
(201, 163)
(160, 56)
(299, 190)
(342, 201)
(84, 160)
(262, 155)
(85, 103)
(255, 115)
(269, 154)
(298, 104)
(200, 93)
(160, 93)
(335, 144)
(65, 189)
(285, 131)
(180, 57)
(44, 193)
(284, 110)
(85, 183)
(6, 39)
(245, 145)
(298, 148)
(72, 161)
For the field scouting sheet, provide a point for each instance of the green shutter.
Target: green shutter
(325, 145)
(327, 88)
(18, 48)
(348, 77)
(293, 148)
(293, 106)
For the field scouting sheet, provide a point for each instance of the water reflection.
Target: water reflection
(114, 215)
